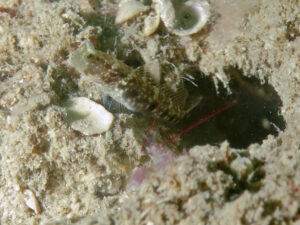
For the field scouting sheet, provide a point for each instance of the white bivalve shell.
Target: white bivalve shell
(151, 24)
(87, 116)
(129, 9)
(31, 201)
(183, 18)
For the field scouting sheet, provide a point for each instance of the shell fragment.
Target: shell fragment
(87, 116)
(31, 201)
(128, 10)
(151, 24)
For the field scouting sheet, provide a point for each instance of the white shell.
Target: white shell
(78, 58)
(87, 116)
(129, 9)
(166, 11)
(31, 201)
(151, 24)
(183, 18)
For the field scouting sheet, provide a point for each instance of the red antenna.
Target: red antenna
(161, 156)
(201, 121)
(192, 126)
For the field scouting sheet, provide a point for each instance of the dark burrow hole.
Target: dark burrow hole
(255, 115)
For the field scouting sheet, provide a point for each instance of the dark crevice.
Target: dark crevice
(132, 58)
(236, 182)
(255, 115)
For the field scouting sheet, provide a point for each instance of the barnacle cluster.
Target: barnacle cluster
(181, 18)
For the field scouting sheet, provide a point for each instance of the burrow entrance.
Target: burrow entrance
(251, 120)
(255, 115)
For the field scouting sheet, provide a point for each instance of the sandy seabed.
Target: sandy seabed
(54, 175)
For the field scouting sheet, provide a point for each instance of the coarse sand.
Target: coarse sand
(54, 175)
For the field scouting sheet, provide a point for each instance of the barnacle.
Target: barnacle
(179, 17)
(183, 18)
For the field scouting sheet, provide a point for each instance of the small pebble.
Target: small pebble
(88, 117)
(31, 201)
